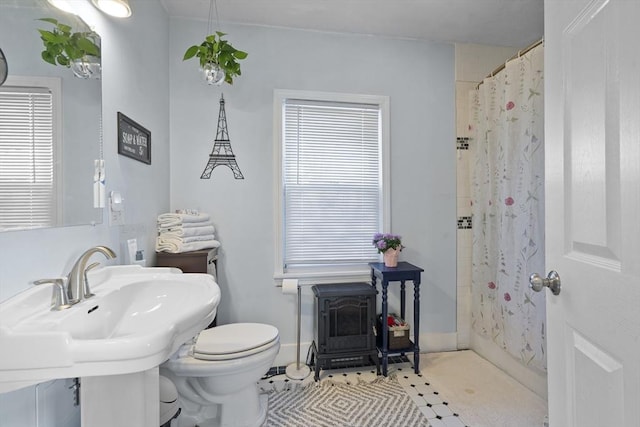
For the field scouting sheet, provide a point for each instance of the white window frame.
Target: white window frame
(54, 86)
(337, 273)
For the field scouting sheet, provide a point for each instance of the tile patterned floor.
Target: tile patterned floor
(484, 395)
(439, 411)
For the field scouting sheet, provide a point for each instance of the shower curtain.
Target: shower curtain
(508, 209)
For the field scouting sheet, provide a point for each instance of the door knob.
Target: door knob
(537, 283)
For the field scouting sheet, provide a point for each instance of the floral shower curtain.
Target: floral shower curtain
(508, 209)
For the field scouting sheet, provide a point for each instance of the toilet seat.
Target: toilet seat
(234, 341)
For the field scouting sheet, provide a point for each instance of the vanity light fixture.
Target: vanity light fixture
(117, 8)
(64, 5)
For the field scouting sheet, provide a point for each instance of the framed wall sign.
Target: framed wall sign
(134, 141)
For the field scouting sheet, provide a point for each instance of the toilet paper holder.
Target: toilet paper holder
(296, 370)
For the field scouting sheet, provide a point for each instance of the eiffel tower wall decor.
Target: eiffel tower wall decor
(222, 154)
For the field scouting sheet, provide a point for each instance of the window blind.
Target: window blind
(27, 148)
(332, 182)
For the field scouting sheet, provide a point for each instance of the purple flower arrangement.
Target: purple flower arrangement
(385, 241)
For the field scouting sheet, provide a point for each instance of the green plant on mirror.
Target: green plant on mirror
(218, 59)
(77, 50)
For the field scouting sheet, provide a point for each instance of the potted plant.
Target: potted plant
(390, 246)
(218, 59)
(77, 50)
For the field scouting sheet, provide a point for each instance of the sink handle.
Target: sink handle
(59, 298)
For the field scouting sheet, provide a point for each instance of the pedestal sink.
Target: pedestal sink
(136, 320)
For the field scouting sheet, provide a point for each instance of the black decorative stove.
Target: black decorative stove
(344, 325)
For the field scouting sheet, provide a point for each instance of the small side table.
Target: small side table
(403, 272)
(190, 262)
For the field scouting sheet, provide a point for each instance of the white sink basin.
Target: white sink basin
(136, 320)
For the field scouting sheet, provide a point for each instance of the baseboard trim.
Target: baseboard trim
(287, 354)
(434, 342)
(429, 343)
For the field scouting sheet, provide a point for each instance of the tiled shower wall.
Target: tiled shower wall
(473, 63)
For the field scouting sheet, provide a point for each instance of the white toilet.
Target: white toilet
(217, 375)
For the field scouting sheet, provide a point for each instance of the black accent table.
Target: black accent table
(403, 272)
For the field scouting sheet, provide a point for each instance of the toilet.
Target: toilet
(217, 375)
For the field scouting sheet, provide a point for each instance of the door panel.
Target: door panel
(592, 135)
(592, 174)
(593, 365)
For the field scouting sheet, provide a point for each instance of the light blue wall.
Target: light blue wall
(419, 79)
(135, 81)
(137, 72)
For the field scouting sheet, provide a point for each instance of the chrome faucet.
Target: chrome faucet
(78, 286)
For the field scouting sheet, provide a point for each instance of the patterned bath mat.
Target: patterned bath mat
(381, 403)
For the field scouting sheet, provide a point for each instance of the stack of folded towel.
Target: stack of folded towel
(185, 232)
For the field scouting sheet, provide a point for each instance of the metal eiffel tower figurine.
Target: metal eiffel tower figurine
(222, 155)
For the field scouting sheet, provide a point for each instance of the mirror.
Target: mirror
(65, 183)
(4, 69)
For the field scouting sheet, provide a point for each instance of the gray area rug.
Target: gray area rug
(381, 403)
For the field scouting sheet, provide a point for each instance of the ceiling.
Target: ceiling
(515, 23)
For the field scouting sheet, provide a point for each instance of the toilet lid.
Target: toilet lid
(234, 340)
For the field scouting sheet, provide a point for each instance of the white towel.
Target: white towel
(198, 238)
(184, 231)
(177, 246)
(184, 225)
(175, 219)
(172, 238)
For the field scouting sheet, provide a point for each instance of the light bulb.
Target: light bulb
(117, 8)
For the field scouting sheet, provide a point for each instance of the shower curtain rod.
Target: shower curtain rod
(517, 55)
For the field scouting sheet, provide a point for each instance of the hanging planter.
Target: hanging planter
(79, 51)
(218, 59)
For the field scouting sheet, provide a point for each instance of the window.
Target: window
(332, 154)
(28, 149)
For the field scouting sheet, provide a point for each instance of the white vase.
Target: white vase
(391, 257)
(213, 74)
(87, 67)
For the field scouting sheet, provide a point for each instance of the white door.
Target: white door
(592, 168)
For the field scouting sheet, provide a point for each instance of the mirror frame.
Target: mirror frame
(4, 67)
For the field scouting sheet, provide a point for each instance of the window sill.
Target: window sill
(356, 274)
